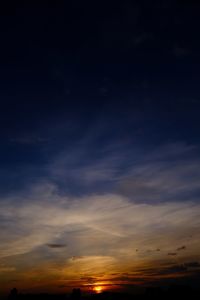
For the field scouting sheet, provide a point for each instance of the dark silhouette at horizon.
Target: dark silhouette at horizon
(149, 293)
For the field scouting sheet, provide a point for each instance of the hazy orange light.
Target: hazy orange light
(98, 289)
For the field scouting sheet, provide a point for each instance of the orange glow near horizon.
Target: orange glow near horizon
(98, 289)
(135, 251)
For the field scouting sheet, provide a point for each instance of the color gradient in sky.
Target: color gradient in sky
(99, 155)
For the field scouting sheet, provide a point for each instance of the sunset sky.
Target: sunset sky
(99, 152)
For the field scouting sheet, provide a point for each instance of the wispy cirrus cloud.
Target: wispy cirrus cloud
(148, 214)
(56, 246)
(97, 224)
(167, 173)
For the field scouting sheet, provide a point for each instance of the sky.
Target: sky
(99, 145)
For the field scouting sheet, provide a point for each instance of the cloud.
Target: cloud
(77, 257)
(94, 224)
(193, 264)
(56, 246)
(181, 248)
(151, 205)
(172, 253)
(172, 270)
(6, 269)
(167, 173)
(181, 268)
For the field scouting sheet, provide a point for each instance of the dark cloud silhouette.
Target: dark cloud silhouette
(88, 279)
(56, 246)
(182, 268)
(193, 264)
(181, 248)
(173, 269)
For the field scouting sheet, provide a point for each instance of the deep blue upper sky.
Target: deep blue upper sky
(119, 77)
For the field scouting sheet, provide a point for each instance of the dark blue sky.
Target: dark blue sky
(129, 71)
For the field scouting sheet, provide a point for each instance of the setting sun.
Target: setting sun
(98, 289)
